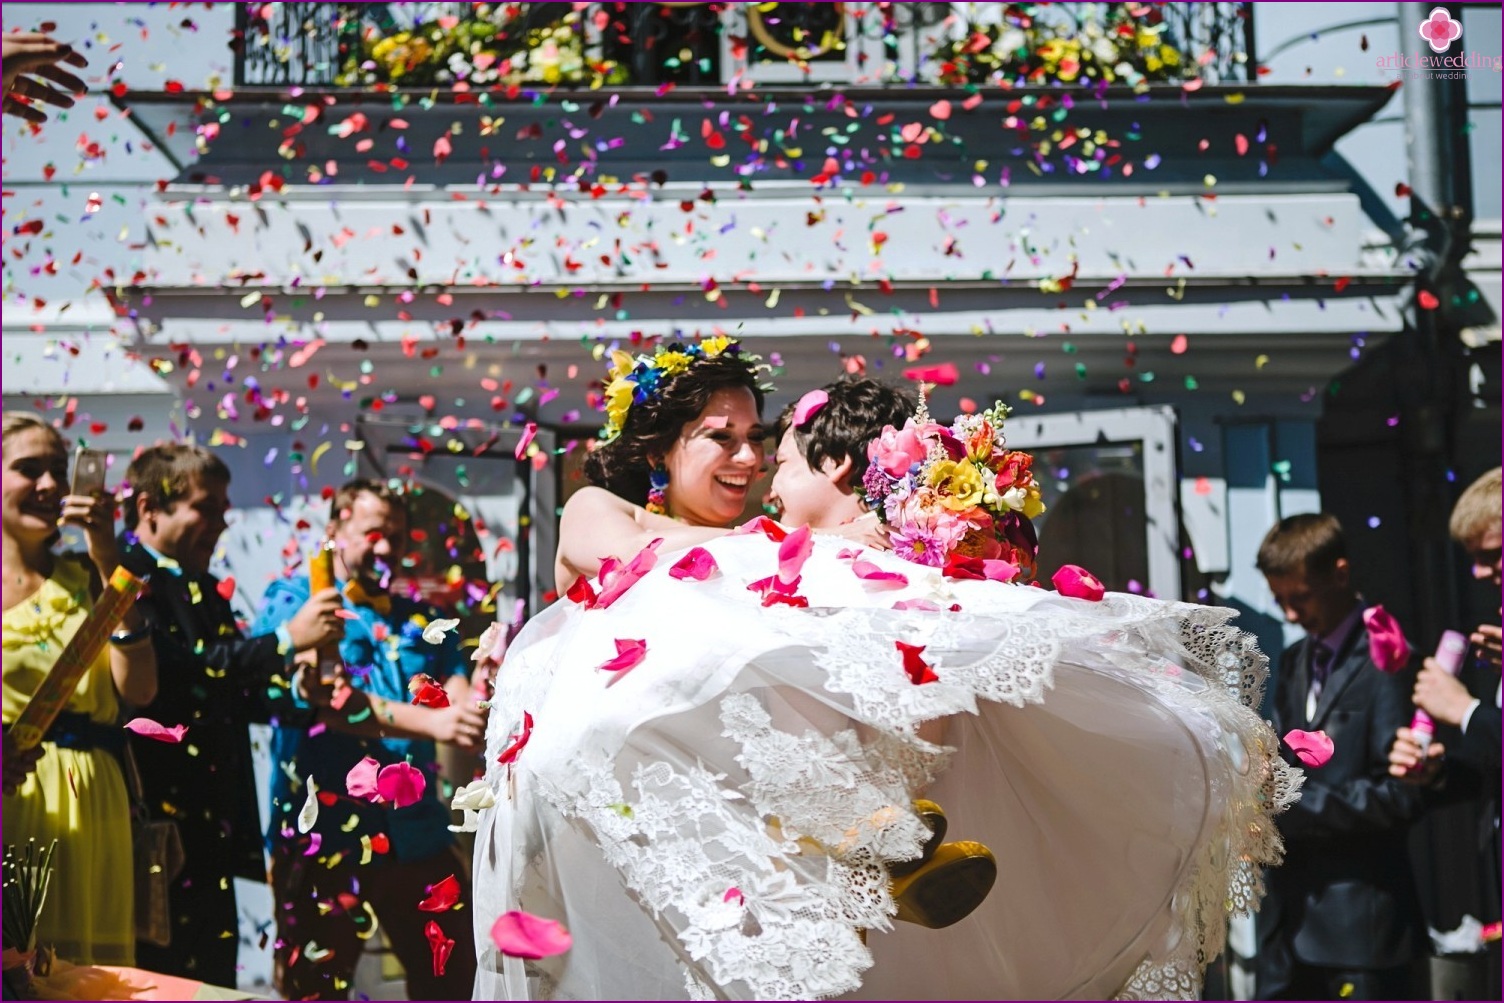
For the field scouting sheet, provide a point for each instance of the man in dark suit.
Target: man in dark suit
(1461, 771)
(1341, 918)
(214, 680)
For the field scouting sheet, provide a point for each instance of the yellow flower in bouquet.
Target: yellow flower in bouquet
(957, 483)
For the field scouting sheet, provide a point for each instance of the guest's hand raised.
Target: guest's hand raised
(1441, 694)
(95, 515)
(1486, 642)
(317, 623)
(1405, 754)
(33, 73)
(462, 724)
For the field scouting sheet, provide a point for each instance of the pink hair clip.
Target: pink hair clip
(808, 405)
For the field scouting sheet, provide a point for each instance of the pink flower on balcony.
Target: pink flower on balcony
(1439, 30)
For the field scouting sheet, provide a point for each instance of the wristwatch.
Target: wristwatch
(126, 638)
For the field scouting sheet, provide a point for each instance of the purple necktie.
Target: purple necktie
(1321, 663)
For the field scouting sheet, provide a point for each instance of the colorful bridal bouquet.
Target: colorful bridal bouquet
(956, 498)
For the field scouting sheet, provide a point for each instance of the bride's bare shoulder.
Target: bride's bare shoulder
(594, 501)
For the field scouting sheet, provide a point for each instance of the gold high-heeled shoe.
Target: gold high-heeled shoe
(947, 887)
(933, 816)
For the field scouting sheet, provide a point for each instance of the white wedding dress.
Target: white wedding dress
(711, 824)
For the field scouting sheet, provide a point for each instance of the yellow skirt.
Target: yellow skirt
(78, 798)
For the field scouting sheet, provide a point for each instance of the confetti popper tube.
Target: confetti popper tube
(320, 577)
(52, 695)
(321, 568)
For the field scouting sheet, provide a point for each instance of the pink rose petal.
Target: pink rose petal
(629, 653)
(1386, 640)
(808, 406)
(401, 783)
(522, 935)
(943, 375)
(698, 565)
(528, 432)
(1313, 748)
(877, 577)
(620, 580)
(147, 728)
(793, 552)
(927, 605)
(360, 782)
(1078, 583)
(734, 895)
(999, 571)
(762, 524)
(776, 592)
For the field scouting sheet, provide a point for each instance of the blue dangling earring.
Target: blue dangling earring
(657, 491)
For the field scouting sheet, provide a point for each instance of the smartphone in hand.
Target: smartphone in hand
(88, 472)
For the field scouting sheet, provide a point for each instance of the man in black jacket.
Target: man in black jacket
(1461, 770)
(215, 681)
(1341, 918)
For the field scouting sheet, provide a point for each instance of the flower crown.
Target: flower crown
(634, 379)
(956, 498)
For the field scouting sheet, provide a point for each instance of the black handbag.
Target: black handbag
(158, 859)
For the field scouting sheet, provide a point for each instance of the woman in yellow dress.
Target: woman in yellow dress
(77, 793)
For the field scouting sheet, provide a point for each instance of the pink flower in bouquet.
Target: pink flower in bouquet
(1386, 641)
(953, 496)
(918, 544)
(896, 450)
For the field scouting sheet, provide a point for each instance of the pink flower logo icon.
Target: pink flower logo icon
(1439, 30)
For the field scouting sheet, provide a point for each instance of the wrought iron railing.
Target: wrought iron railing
(481, 46)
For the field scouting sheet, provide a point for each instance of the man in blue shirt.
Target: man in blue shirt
(341, 863)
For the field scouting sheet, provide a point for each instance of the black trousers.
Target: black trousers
(205, 923)
(1317, 982)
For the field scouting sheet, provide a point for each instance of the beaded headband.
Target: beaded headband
(634, 379)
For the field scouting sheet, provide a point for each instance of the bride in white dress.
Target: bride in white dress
(712, 757)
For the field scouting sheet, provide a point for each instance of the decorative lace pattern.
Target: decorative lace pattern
(750, 904)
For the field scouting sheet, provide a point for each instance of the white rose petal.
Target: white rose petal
(310, 813)
(435, 631)
(474, 796)
(487, 643)
(471, 823)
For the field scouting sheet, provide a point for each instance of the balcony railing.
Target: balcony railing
(509, 46)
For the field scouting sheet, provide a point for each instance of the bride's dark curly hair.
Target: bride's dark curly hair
(653, 425)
